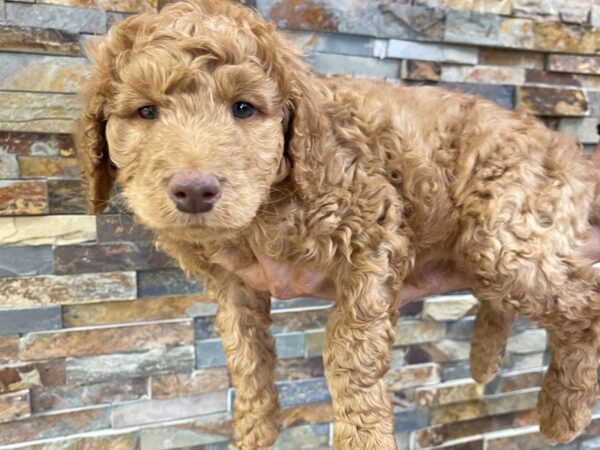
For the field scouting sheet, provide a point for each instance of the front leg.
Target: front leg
(360, 332)
(243, 318)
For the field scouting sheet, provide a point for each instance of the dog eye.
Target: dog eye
(149, 112)
(242, 110)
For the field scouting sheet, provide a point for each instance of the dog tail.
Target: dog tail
(594, 159)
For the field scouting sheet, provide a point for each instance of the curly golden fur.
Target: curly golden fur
(363, 179)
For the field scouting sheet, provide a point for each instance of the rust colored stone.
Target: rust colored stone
(29, 375)
(23, 198)
(299, 14)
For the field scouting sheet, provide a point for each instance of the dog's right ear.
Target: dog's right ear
(97, 172)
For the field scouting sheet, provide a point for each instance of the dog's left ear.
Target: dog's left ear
(305, 124)
(97, 172)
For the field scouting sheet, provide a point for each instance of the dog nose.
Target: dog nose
(194, 192)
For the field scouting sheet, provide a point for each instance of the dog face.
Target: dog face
(189, 111)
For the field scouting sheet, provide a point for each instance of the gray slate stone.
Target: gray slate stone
(75, 20)
(154, 283)
(25, 260)
(290, 345)
(18, 321)
(472, 28)
(343, 44)
(411, 419)
(432, 52)
(146, 412)
(187, 434)
(124, 366)
(332, 64)
(9, 166)
(298, 392)
(209, 353)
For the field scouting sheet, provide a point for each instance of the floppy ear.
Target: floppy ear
(97, 172)
(305, 125)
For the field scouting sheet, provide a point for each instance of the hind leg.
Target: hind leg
(558, 293)
(488, 342)
(570, 385)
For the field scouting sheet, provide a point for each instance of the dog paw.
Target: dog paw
(559, 423)
(483, 371)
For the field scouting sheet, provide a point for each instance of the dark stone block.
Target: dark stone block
(72, 259)
(455, 370)
(412, 309)
(300, 392)
(165, 282)
(25, 261)
(503, 95)
(461, 330)
(205, 328)
(416, 354)
(410, 420)
(114, 228)
(19, 321)
(66, 197)
(542, 77)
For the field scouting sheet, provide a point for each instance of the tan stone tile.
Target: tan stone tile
(128, 441)
(511, 58)
(38, 112)
(574, 63)
(100, 341)
(46, 167)
(131, 6)
(445, 393)
(410, 332)
(186, 384)
(14, 405)
(483, 74)
(47, 399)
(54, 425)
(9, 349)
(399, 378)
(457, 412)
(38, 73)
(447, 308)
(307, 414)
(162, 308)
(47, 230)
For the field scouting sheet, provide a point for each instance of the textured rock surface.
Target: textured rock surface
(56, 289)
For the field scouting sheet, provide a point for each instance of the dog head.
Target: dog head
(191, 112)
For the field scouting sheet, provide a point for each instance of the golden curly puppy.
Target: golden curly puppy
(223, 140)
